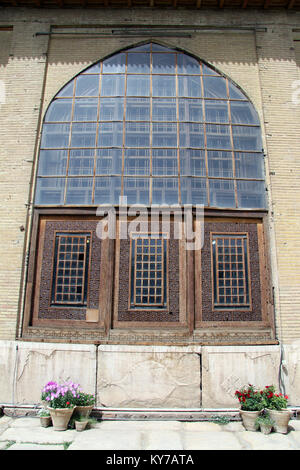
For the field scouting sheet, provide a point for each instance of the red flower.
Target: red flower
(68, 403)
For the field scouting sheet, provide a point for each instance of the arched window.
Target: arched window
(156, 125)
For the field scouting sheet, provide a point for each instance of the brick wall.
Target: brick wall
(263, 64)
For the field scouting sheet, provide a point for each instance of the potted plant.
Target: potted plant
(251, 406)
(276, 404)
(60, 399)
(265, 423)
(45, 418)
(81, 423)
(84, 404)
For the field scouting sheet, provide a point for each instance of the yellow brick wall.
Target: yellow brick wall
(263, 64)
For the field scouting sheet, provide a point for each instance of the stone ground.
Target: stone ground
(25, 433)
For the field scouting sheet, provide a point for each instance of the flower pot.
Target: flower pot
(45, 421)
(83, 411)
(281, 418)
(60, 417)
(249, 418)
(265, 428)
(80, 425)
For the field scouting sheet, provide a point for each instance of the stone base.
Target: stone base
(153, 377)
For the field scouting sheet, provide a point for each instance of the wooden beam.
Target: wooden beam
(291, 4)
(151, 3)
(221, 3)
(198, 3)
(245, 3)
(174, 3)
(267, 4)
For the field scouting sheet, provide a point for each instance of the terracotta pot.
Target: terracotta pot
(281, 418)
(80, 425)
(249, 418)
(60, 417)
(83, 411)
(45, 421)
(265, 428)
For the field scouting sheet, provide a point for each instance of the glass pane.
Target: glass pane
(110, 134)
(109, 161)
(136, 190)
(50, 191)
(55, 135)
(137, 134)
(247, 138)
(164, 162)
(243, 113)
(191, 135)
(189, 86)
(159, 48)
(192, 162)
(59, 110)
(138, 63)
(193, 191)
(220, 164)
(111, 109)
(81, 162)
(163, 63)
(221, 193)
(208, 70)
(115, 64)
(93, 68)
(163, 86)
(137, 162)
(235, 92)
(187, 64)
(214, 87)
(113, 85)
(138, 109)
(251, 194)
(190, 110)
(85, 109)
(218, 136)
(87, 85)
(249, 165)
(67, 90)
(107, 190)
(164, 191)
(164, 134)
(79, 191)
(164, 109)
(143, 48)
(52, 162)
(138, 85)
(83, 134)
(216, 111)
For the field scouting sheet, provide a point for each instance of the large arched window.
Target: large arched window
(156, 125)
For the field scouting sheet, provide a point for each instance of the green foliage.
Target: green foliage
(264, 419)
(250, 398)
(272, 400)
(84, 399)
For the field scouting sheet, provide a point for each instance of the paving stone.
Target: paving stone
(295, 436)
(98, 439)
(38, 435)
(168, 440)
(202, 426)
(3, 445)
(140, 425)
(25, 422)
(293, 424)
(234, 426)
(211, 441)
(273, 441)
(30, 446)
